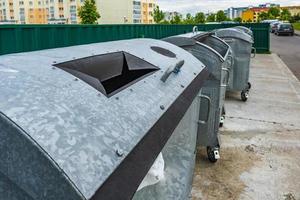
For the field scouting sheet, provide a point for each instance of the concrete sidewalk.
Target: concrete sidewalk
(297, 32)
(260, 153)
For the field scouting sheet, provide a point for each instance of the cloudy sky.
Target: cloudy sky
(193, 6)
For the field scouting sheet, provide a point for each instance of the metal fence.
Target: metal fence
(22, 38)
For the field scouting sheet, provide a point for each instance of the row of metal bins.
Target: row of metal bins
(114, 120)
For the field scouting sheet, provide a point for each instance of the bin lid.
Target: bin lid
(244, 29)
(190, 39)
(234, 33)
(95, 139)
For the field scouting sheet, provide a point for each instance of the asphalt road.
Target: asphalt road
(288, 49)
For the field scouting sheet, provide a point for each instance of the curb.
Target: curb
(297, 33)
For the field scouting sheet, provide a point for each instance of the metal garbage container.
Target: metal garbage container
(88, 122)
(245, 30)
(216, 55)
(241, 45)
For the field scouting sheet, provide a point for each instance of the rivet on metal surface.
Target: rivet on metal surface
(117, 98)
(182, 86)
(54, 62)
(162, 107)
(53, 67)
(99, 94)
(195, 73)
(119, 152)
(144, 81)
(75, 79)
(131, 90)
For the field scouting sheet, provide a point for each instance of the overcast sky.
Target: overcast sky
(193, 6)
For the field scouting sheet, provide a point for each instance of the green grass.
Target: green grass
(297, 26)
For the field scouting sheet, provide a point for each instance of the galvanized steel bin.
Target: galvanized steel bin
(245, 30)
(89, 122)
(241, 45)
(215, 54)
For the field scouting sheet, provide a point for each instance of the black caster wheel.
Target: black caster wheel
(249, 85)
(213, 154)
(245, 95)
(221, 123)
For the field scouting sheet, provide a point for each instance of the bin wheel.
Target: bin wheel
(245, 95)
(213, 154)
(249, 85)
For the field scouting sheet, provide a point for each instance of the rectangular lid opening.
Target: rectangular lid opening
(109, 73)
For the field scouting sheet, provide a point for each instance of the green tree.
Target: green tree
(274, 12)
(88, 12)
(295, 18)
(200, 18)
(158, 15)
(189, 19)
(238, 19)
(165, 22)
(176, 20)
(263, 16)
(221, 16)
(211, 18)
(285, 15)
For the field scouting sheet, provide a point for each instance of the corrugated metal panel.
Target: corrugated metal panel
(22, 38)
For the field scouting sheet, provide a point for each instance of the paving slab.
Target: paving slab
(260, 153)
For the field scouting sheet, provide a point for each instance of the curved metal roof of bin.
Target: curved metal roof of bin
(245, 30)
(234, 33)
(99, 145)
(190, 39)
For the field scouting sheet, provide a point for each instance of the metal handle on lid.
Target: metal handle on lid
(195, 29)
(170, 70)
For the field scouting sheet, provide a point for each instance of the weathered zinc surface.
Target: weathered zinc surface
(60, 138)
(241, 45)
(213, 52)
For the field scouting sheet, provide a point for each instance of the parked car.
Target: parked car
(284, 29)
(274, 26)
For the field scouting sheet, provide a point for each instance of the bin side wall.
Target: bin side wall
(23, 38)
(23, 164)
(179, 160)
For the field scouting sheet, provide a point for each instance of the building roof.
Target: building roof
(256, 9)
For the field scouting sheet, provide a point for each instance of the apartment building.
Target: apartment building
(252, 14)
(294, 10)
(126, 11)
(66, 11)
(148, 7)
(235, 12)
(40, 11)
